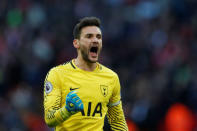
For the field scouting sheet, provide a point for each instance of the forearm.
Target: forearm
(54, 117)
(116, 118)
(54, 114)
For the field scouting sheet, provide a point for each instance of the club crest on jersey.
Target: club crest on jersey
(48, 87)
(104, 90)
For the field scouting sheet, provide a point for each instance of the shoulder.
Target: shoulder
(62, 67)
(107, 70)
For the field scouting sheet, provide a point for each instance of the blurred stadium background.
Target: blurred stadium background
(151, 44)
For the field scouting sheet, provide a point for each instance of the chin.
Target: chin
(90, 60)
(93, 60)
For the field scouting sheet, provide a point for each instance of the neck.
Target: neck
(84, 65)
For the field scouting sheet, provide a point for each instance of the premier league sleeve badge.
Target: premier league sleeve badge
(48, 87)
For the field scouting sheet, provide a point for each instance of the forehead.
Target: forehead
(90, 30)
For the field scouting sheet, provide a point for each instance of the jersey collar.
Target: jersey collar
(98, 67)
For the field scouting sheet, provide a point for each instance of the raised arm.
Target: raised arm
(54, 113)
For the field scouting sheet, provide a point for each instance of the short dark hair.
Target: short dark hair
(86, 21)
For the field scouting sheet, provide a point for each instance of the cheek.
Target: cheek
(83, 47)
(85, 43)
(101, 45)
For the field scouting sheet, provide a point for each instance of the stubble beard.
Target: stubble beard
(85, 57)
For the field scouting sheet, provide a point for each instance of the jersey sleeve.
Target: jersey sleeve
(116, 118)
(115, 98)
(53, 112)
(115, 112)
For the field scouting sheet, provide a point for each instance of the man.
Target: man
(79, 94)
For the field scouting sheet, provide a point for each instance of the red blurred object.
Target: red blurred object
(131, 125)
(179, 118)
(34, 122)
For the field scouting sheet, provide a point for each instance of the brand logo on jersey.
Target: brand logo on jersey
(104, 90)
(48, 87)
(71, 89)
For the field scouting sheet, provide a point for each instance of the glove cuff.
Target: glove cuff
(65, 114)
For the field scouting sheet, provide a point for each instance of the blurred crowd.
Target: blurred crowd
(151, 44)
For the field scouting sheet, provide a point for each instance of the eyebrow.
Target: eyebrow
(92, 34)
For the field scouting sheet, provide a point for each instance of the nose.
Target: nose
(95, 40)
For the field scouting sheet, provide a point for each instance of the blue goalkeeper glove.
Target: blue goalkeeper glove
(73, 102)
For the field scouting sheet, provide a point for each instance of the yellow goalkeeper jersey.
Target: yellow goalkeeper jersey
(97, 89)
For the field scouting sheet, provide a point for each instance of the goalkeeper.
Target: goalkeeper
(80, 93)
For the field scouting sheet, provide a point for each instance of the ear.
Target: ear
(76, 43)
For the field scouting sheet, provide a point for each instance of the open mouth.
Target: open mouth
(93, 51)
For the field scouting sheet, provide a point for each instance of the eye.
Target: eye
(88, 35)
(99, 36)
